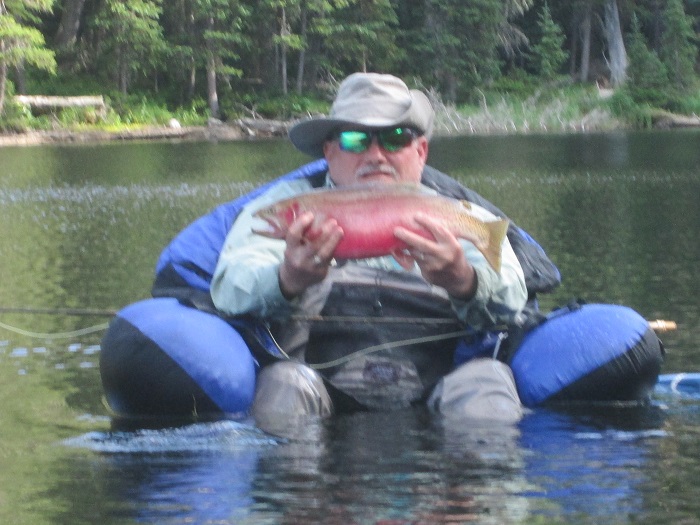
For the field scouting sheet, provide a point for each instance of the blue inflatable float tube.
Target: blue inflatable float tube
(161, 358)
(591, 353)
(174, 355)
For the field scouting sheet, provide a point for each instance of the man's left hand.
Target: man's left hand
(441, 260)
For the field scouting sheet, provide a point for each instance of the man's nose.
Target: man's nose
(375, 150)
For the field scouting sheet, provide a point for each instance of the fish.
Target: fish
(369, 214)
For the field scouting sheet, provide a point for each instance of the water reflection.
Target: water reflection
(403, 467)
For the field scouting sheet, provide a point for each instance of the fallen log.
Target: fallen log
(666, 120)
(42, 104)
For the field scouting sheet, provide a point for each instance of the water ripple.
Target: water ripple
(215, 437)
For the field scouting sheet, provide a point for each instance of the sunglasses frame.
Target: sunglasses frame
(384, 137)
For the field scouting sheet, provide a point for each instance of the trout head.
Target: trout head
(279, 217)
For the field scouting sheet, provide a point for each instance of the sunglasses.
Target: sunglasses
(390, 139)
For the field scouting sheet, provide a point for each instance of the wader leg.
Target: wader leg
(288, 390)
(480, 389)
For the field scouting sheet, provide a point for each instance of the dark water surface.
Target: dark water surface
(82, 227)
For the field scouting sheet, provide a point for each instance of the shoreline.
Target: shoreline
(238, 130)
(263, 128)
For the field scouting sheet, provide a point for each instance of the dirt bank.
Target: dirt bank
(217, 132)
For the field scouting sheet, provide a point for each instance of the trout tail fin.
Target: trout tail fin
(492, 251)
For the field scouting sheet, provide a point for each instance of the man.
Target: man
(377, 132)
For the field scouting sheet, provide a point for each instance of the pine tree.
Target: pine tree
(548, 53)
(361, 36)
(132, 40)
(460, 43)
(20, 43)
(678, 50)
(646, 74)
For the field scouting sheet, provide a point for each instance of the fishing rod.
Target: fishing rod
(658, 325)
(58, 311)
(86, 312)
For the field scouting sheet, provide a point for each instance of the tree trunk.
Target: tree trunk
(189, 25)
(585, 32)
(451, 86)
(3, 77)
(212, 95)
(123, 78)
(192, 81)
(123, 72)
(67, 33)
(20, 79)
(617, 59)
(283, 58)
(302, 54)
(575, 37)
(283, 67)
(3, 65)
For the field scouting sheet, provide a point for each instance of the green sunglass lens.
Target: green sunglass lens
(390, 139)
(354, 141)
(395, 139)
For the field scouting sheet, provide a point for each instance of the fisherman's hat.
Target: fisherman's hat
(366, 100)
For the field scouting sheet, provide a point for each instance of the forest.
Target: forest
(222, 59)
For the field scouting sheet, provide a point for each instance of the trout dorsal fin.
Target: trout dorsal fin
(497, 232)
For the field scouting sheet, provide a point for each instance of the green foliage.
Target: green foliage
(290, 107)
(134, 110)
(63, 83)
(548, 53)
(460, 44)
(517, 83)
(15, 117)
(679, 50)
(647, 79)
(20, 42)
(193, 115)
(689, 104)
(362, 35)
(133, 43)
(24, 44)
(638, 115)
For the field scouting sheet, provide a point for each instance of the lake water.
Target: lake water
(82, 227)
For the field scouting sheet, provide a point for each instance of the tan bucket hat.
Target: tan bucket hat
(366, 100)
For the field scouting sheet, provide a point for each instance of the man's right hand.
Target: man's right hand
(308, 253)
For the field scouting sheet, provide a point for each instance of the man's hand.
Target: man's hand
(441, 260)
(308, 253)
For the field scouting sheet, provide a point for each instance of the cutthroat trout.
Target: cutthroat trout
(369, 214)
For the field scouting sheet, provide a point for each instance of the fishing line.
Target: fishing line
(57, 335)
(387, 346)
(371, 319)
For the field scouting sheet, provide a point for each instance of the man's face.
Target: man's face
(376, 164)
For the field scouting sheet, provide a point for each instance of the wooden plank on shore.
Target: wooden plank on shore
(41, 103)
(46, 102)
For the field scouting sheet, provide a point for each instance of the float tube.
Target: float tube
(588, 353)
(161, 358)
(174, 355)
